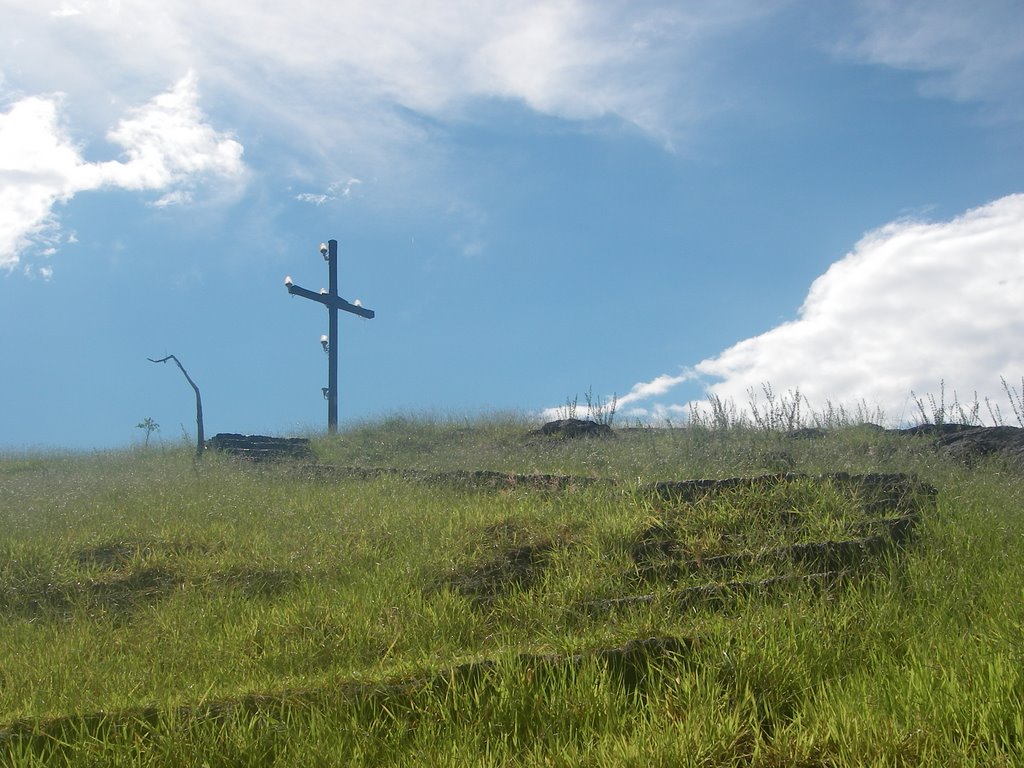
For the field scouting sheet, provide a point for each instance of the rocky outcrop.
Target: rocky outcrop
(568, 428)
(969, 443)
(260, 447)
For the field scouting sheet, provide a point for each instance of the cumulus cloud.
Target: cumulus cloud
(167, 147)
(167, 143)
(913, 304)
(38, 165)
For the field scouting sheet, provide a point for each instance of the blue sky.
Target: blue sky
(657, 200)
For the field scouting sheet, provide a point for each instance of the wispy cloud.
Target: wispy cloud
(646, 390)
(965, 51)
(313, 198)
(355, 80)
(167, 146)
(371, 89)
(365, 75)
(353, 89)
(343, 190)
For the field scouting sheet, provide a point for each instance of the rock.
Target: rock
(971, 444)
(935, 430)
(574, 428)
(968, 443)
(260, 447)
(807, 433)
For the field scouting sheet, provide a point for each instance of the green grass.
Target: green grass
(156, 611)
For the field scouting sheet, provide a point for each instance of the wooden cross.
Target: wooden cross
(333, 302)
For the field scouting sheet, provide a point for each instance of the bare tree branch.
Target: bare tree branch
(200, 435)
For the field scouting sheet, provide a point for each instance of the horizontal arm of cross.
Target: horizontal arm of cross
(331, 301)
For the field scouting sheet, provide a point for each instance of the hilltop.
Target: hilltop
(427, 592)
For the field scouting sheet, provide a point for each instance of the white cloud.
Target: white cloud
(315, 199)
(628, 405)
(365, 88)
(343, 189)
(967, 51)
(646, 390)
(167, 142)
(351, 81)
(356, 70)
(177, 197)
(65, 11)
(913, 304)
(37, 166)
(167, 146)
(346, 189)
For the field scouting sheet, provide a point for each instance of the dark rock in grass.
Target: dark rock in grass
(480, 479)
(632, 665)
(876, 492)
(837, 555)
(777, 461)
(807, 433)
(831, 555)
(516, 567)
(126, 593)
(569, 428)
(899, 529)
(934, 430)
(260, 447)
(717, 595)
(636, 666)
(111, 555)
(968, 443)
(891, 505)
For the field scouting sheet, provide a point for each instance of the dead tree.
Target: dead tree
(200, 436)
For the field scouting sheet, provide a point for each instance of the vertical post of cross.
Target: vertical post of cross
(333, 302)
(332, 339)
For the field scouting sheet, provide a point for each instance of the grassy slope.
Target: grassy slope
(247, 616)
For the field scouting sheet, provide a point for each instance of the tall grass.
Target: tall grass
(155, 611)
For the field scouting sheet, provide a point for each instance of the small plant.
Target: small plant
(775, 413)
(149, 426)
(1016, 399)
(568, 411)
(601, 411)
(837, 416)
(939, 412)
(779, 414)
(723, 414)
(598, 410)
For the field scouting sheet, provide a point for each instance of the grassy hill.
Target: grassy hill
(441, 593)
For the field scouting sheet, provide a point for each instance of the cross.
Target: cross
(333, 302)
